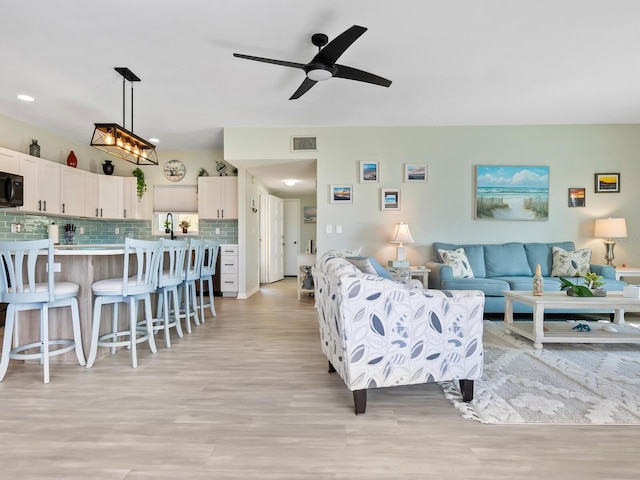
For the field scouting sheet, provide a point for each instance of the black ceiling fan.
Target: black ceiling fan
(323, 66)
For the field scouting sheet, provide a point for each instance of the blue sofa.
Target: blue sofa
(507, 266)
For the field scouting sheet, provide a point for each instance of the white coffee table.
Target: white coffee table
(562, 332)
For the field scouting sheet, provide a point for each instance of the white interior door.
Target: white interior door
(276, 239)
(264, 222)
(291, 236)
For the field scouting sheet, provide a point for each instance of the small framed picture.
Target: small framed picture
(341, 194)
(577, 197)
(369, 171)
(607, 183)
(390, 198)
(415, 172)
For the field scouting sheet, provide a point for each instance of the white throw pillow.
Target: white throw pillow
(458, 261)
(570, 264)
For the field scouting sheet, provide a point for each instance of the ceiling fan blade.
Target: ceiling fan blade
(350, 73)
(303, 88)
(282, 63)
(336, 47)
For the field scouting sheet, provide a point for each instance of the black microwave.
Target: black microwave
(11, 190)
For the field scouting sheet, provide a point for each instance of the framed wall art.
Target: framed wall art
(577, 197)
(369, 171)
(509, 192)
(415, 172)
(341, 194)
(310, 214)
(607, 183)
(390, 198)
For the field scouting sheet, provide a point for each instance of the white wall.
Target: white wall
(442, 209)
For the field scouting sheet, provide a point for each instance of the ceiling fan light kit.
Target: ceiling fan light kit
(115, 140)
(323, 66)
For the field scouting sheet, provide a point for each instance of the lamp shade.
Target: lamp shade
(401, 234)
(610, 228)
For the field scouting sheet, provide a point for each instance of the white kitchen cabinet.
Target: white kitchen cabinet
(9, 161)
(218, 198)
(110, 197)
(91, 206)
(229, 270)
(130, 198)
(72, 191)
(41, 185)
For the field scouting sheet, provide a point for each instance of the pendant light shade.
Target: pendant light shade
(115, 140)
(120, 142)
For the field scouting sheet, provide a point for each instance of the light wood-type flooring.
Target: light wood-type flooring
(248, 396)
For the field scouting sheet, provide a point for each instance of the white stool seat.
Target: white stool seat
(19, 289)
(193, 262)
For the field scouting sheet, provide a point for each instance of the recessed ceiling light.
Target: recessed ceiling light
(26, 98)
(290, 182)
(154, 140)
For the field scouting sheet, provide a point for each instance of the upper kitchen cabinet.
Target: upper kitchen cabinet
(72, 191)
(41, 185)
(110, 204)
(218, 198)
(132, 209)
(9, 161)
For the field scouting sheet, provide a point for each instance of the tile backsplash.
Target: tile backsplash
(33, 227)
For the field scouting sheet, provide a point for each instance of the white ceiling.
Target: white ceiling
(452, 62)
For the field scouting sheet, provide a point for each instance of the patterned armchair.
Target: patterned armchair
(379, 333)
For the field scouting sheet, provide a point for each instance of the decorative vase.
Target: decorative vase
(184, 230)
(34, 148)
(108, 167)
(597, 292)
(72, 161)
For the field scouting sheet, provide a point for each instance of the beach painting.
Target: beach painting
(341, 194)
(368, 171)
(512, 192)
(310, 214)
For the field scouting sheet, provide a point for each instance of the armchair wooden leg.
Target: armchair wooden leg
(466, 388)
(331, 368)
(360, 401)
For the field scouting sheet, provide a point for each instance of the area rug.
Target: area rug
(596, 384)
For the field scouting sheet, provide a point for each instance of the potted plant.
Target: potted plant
(591, 288)
(184, 225)
(141, 185)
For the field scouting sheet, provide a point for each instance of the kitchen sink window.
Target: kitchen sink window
(191, 218)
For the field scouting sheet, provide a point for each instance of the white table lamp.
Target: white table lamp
(610, 228)
(401, 235)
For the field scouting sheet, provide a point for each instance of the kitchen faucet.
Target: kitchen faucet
(169, 229)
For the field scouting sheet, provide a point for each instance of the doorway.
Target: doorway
(291, 236)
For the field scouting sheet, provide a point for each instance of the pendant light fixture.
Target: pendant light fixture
(120, 142)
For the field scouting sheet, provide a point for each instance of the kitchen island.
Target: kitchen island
(81, 264)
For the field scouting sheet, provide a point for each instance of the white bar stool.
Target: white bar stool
(210, 258)
(130, 289)
(171, 275)
(189, 309)
(19, 288)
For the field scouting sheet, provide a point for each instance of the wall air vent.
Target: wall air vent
(304, 144)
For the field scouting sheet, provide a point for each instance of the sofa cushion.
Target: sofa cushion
(369, 265)
(489, 286)
(507, 259)
(458, 262)
(475, 254)
(570, 263)
(540, 254)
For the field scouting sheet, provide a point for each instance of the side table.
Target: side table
(627, 272)
(422, 274)
(305, 262)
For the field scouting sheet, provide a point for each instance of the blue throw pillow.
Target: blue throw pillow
(369, 265)
(507, 259)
